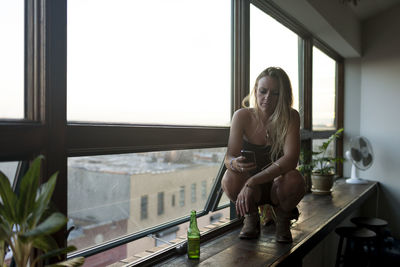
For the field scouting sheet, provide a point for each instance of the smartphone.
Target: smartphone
(249, 155)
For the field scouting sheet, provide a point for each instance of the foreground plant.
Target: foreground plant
(26, 222)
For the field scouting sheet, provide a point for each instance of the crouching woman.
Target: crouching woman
(271, 129)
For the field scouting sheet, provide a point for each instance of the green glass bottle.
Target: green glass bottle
(193, 238)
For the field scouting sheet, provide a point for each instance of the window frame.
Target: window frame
(45, 129)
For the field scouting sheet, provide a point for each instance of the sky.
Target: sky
(174, 70)
(11, 59)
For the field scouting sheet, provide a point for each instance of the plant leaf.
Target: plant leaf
(28, 188)
(51, 225)
(69, 263)
(2, 252)
(8, 198)
(45, 243)
(5, 231)
(44, 195)
(57, 252)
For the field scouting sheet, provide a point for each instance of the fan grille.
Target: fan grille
(361, 152)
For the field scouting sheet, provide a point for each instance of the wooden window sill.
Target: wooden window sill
(319, 215)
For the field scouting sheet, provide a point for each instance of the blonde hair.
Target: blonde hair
(278, 122)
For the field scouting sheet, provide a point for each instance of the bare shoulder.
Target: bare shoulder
(243, 114)
(294, 114)
(294, 117)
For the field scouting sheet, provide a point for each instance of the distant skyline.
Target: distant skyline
(166, 72)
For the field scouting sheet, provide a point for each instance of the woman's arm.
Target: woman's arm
(290, 158)
(233, 160)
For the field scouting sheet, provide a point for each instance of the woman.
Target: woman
(272, 130)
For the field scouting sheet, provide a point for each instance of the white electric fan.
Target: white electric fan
(361, 156)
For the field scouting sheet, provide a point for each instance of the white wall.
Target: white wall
(380, 108)
(352, 105)
(333, 22)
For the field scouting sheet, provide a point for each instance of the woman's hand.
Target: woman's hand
(241, 165)
(244, 200)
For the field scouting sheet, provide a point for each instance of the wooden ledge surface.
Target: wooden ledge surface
(319, 215)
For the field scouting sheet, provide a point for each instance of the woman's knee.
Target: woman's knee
(230, 185)
(291, 183)
(295, 178)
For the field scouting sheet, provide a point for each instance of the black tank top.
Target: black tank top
(263, 154)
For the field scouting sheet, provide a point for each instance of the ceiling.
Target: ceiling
(366, 9)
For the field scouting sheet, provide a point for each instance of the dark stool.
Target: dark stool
(358, 246)
(375, 224)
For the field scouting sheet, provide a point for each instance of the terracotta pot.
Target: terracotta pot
(321, 184)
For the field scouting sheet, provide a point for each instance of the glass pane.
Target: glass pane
(113, 195)
(324, 84)
(224, 200)
(132, 251)
(272, 44)
(330, 151)
(9, 168)
(12, 59)
(150, 62)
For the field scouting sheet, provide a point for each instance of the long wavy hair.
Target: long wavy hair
(278, 122)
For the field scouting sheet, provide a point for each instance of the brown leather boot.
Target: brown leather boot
(251, 226)
(283, 222)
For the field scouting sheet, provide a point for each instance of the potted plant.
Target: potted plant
(26, 221)
(321, 166)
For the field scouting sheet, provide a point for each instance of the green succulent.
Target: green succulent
(27, 223)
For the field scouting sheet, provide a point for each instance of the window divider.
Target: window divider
(102, 139)
(216, 191)
(241, 51)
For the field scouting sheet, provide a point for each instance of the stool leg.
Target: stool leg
(349, 257)
(339, 252)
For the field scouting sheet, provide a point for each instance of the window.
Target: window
(143, 207)
(193, 188)
(9, 169)
(100, 67)
(147, 243)
(12, 59)
(173, 200)
(215, 217)
(113, 188)
(166, 55)
(272, 44)
(160, 203)
(224, 201)
(330, 152)
(167, 235)
(203, 189)
(324, 90)
(318, 97)
(182, 196)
